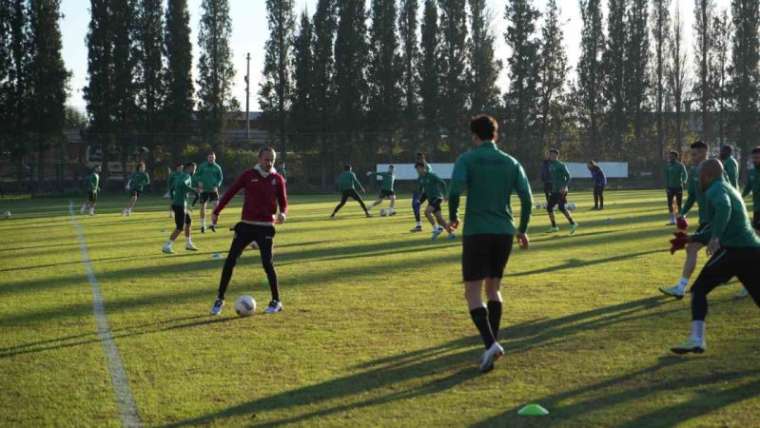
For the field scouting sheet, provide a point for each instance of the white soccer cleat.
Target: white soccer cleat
(436, 233)
(274, 307)
(674, 291)
(692, 345)
(490, 356)
(190, 247)
(167, 249)
(217, 308)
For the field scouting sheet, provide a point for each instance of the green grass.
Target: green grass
(375, 330)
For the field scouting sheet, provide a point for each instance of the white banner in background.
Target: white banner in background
(406, 171)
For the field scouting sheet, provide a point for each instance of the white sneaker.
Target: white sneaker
(190, 247)
(168, 249)
(92, 211)
(743, 293)
(674, 291)
(490, 356)
(436, 233)
(691, 345)
(274, 307)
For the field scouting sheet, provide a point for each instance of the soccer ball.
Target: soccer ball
(384, 212)
(571, 206)
(245, 306)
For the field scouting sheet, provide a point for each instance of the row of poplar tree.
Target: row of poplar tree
(411, 72)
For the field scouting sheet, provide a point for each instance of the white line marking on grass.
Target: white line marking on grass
(127, 407)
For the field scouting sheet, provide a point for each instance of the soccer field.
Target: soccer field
(375, 329)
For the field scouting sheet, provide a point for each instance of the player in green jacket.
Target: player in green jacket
(730, 165)
(434, 189)
(753, 187)
(347, 185)
(560, 178)
(178, 171)
(733, 245)
(135, 186)
(675, 181)
(181, 187)
(387, 190)
(92, 182)
(209, 179)
(490, 177)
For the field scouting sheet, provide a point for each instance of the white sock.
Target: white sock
(189, 241)
(419, 224)
(682, 283)
(698, 330)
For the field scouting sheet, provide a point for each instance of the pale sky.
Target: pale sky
(249, 33)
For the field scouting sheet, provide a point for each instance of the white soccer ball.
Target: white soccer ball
(571, 206)
(383, 212)
(245, 306)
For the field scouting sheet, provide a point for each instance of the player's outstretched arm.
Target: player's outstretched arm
(229, 194)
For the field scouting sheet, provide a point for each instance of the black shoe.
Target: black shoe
(203, 229)
(213, 228)
(416, 229)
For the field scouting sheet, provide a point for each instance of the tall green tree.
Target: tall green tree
(430, 72)
(408, 25)
(553, 71)
(522, 99)
(325, 23)
(178, 50)
(660, 37)
(48, 79)
(745, 79)
(615, 75)
(275, 94)
(590, 74)
(151, 83)
(384, 72)
(704, 11)
(454, 71)
(351, 88)
(215, 70)
(722, 32)
(14, 81)
(303, 107)
(124, 89)
(637, 80)
(676, 72)
(484, 68)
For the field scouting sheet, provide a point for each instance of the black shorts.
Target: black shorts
(181, 217)
(387, 193)
(485, 256)
(136, 193)
(209, 196)
(92, 196)
(555, 199)
(756, 220)
(436, 204)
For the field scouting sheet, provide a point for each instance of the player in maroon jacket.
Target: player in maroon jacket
(265, 190)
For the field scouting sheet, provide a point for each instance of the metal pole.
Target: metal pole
(248, 96)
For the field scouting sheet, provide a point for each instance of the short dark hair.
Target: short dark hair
(210, 152)
(419, 165)
(484, 126)
(347, 167)
(555, 151)
(139, 164)
(699, 144)
(756, 150)
(674, 153)
(189, 164)
(266, 149)
(726, 148)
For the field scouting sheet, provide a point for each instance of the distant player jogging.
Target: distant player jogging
(136, 186)
(600, 183)
(560, 178)
(92, 181)
(265, 192)
(419, 198)
(209, 179)
(753, 187)
(490, 177)
(675, 179)
(347, 184)
(434, 189)
(734, 250)
(387, 189)
(182, 185)
(730, 165)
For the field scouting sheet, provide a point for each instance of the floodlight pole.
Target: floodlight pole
(248, 96)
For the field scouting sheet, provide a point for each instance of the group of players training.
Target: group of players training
(490, 177)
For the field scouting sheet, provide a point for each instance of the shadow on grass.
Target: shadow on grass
(446, 365)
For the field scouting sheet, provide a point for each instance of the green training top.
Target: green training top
(138, 181)
(675, 175)
(172, 176)
(388, 180)
(728, 217)
(559, 174)
(347, 180)
(491, 177)
(695, 195)
(182, 185)
(432, 186)
(210, 175)
(92, 182)
(731, 171)
(753, 186)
